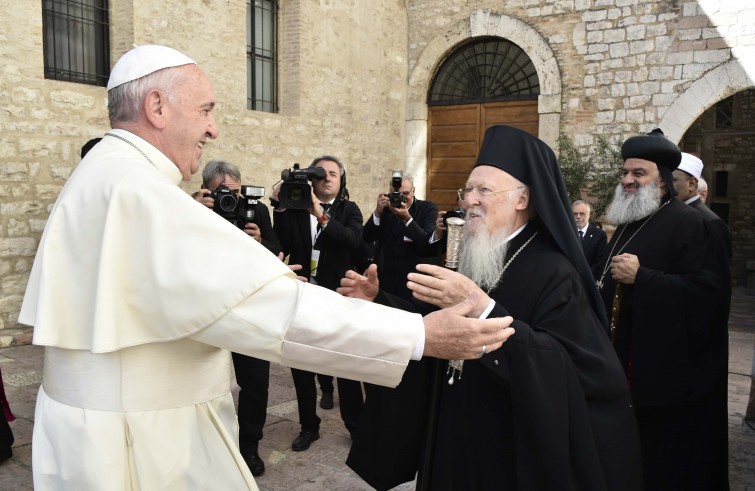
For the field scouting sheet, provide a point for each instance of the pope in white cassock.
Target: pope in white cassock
(138, 292)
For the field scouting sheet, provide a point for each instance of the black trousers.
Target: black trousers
(350, 399)
(326, 383)
(253, 377)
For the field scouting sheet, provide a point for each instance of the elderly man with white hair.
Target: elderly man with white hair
(550, 410)
(138, 292)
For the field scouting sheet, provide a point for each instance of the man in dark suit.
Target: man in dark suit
(593, 239)
(252, 374)
(325, 240)
(401, 234)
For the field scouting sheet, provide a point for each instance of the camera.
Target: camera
(452, 214)
(237, 210)
(295, 192)
(395, 198)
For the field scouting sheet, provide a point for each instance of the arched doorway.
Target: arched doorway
(488, 80)
(724, 138)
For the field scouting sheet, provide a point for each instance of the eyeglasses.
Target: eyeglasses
(465, 193)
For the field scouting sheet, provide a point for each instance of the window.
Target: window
(724, 112)
(262, 55)
(722, 184)
(76, 41)
(488, 70)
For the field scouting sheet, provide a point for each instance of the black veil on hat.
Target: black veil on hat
(656, 148)
(531, 160)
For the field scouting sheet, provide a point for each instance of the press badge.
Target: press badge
(313, 262)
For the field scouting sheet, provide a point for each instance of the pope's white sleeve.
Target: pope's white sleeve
(311, 328)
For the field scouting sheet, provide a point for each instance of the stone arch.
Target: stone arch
(717, 84)
(480, 23)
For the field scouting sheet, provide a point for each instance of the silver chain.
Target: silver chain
(607, 266)
(133, 145)
(505, 266)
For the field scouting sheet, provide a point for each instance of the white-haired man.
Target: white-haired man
(551, 409)
(138, 292)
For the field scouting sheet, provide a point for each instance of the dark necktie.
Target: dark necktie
(581, 235)
(325, 207)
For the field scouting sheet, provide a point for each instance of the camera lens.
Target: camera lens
(295, 194)
(227, 203)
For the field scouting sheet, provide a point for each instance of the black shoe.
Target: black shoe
(255, 463)
(326, 402)
(304, 440)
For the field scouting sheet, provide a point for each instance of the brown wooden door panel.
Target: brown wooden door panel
(452, 115)
(445, 199)
(454, 149)
(441, 165)
(454, 137)
(450, 180)
(511, 113)
(455, 133)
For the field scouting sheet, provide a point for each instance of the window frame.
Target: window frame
(262, 55)
(76, 41)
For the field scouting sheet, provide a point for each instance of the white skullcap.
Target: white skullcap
(691, 165)
(143, 60)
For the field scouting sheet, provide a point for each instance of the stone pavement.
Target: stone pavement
(322, 466)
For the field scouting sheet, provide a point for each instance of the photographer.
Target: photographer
(221, 173)
(401, 233)
(252, 374)
(325, 238)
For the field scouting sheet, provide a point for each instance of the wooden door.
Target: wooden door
(454, 137)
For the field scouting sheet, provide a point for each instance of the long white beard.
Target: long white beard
(629, 207)
(483, 255)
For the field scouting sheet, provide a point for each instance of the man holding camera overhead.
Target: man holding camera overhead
(401, 225)
(323, 235)
(221, 191)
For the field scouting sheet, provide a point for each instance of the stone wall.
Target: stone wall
(342, 91)
(622, 63)
(622, 67)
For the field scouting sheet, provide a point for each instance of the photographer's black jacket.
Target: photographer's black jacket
(396, 257)
(338, 243)
(269, 237)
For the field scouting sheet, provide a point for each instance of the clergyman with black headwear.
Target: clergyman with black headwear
(550, 410)
(663, 280)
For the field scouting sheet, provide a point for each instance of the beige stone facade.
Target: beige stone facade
(354, 76)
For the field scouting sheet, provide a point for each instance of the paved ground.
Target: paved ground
(322, 466)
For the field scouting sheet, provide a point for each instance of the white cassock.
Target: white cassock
(138, 292)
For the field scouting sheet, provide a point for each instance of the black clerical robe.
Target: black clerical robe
(671, 337)
(550, 410)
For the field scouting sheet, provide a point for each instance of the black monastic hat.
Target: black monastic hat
(656, 148)
(531, 161)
